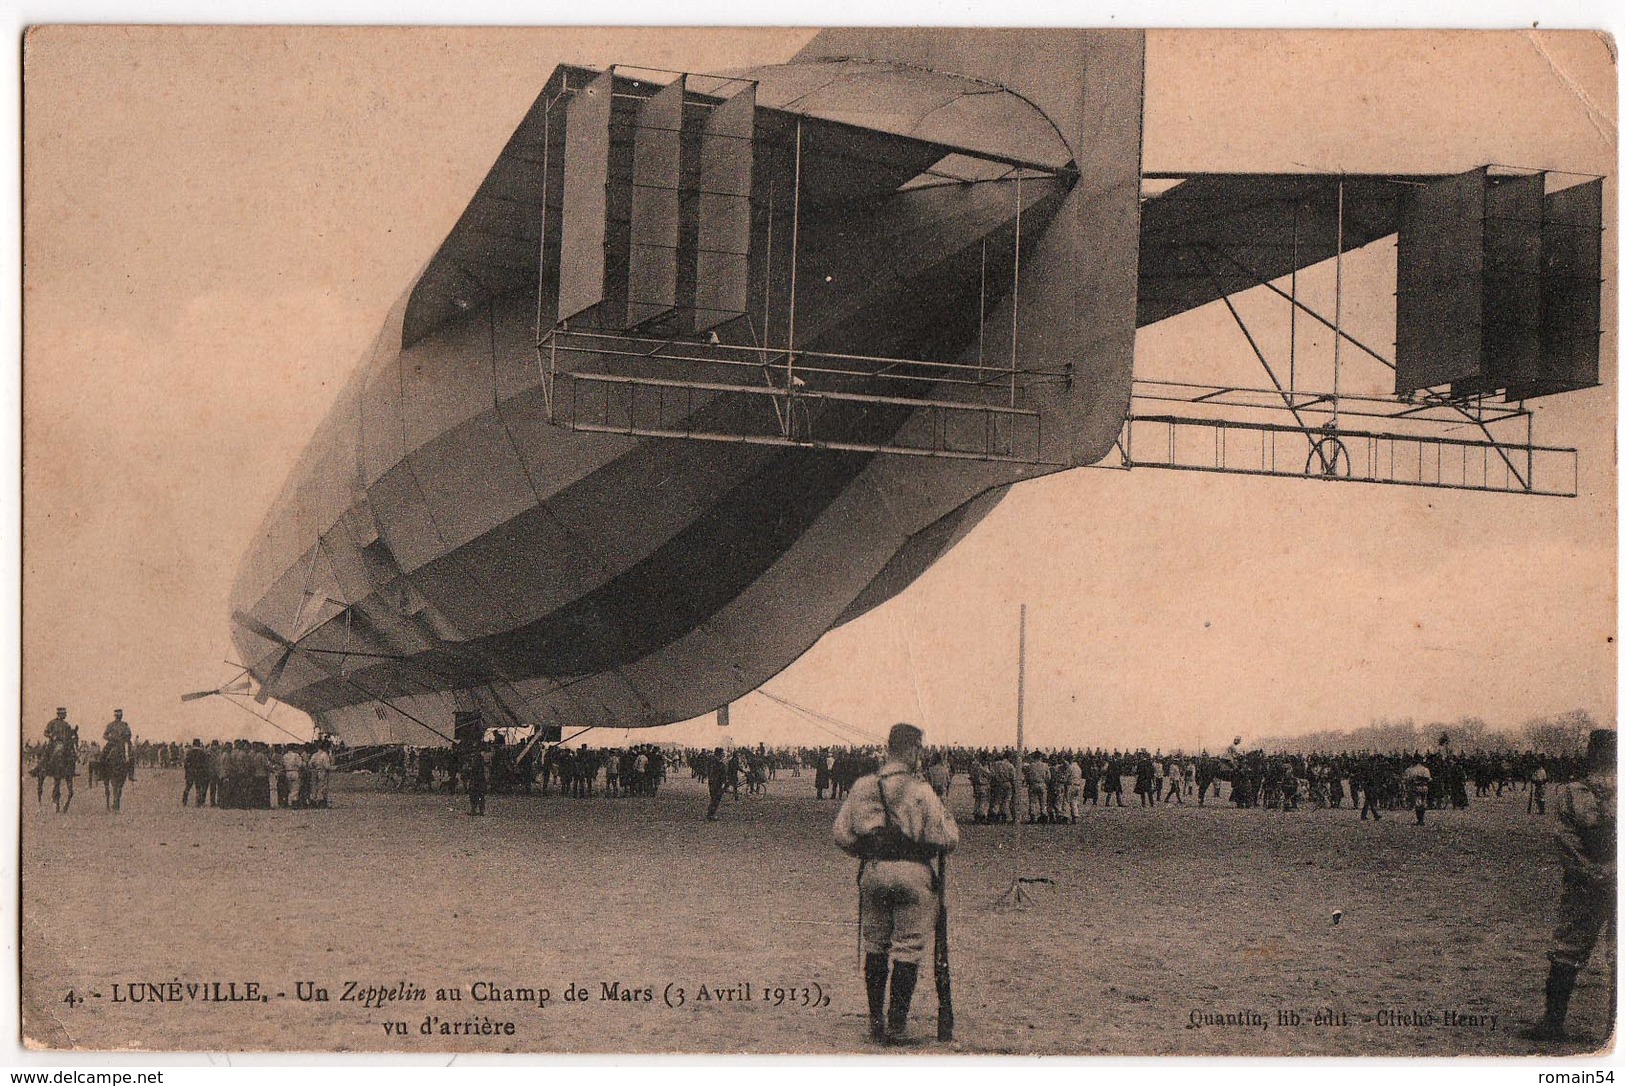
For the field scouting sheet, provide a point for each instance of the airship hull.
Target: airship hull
(456, 537)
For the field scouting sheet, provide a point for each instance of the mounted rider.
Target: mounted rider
(58, 732)
(59, 760)
(117, 736)
(61, 745)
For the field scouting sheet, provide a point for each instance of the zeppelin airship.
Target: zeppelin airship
(713, 363)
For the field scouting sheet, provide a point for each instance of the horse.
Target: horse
(113, 766)
(60, 762)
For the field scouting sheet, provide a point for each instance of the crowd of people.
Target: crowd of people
(1037, 787)
(242, 775)
(900, 836)
(1051, 787)
(515, 768)
(236, 774)
(896, 823)
(145, 753)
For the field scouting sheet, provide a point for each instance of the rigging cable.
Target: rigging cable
(824, 718)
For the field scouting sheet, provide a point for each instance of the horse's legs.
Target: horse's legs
(118, 793)
(69, 803)
(39, 792)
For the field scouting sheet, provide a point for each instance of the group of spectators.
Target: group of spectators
(626, 771)
(516, 768)
(233, 774)
(835, 771)
(1051, 787)
(245, 775)
(629, 771)
(723, 769)
(1042, 787)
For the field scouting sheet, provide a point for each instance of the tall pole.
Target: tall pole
(1021, 734)
(1017, 895)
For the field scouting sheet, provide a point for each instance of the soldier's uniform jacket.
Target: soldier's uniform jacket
(116, 730)
(894, 815)
(1587, 825)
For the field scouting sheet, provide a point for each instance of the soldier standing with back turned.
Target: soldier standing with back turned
(1587, 828)
(894, 823)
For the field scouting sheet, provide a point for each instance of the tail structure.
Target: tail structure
(1077, 285)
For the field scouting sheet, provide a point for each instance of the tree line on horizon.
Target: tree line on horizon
(1559, 735)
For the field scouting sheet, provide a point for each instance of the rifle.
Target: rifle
(945, 993)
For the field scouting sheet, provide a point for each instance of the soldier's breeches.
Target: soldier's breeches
(898, 910)
(1585, 909)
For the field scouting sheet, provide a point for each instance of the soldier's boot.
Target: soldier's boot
(874, 979)
(903, 977)
(1559, 990)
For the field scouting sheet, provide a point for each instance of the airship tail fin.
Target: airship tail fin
(1077, 296)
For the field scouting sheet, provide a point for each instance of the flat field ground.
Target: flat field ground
(1150, 921)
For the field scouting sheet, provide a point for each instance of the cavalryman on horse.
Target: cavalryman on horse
(60, 760)
(116, 763)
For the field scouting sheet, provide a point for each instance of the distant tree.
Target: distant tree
(1470, 733)
(1564, 734)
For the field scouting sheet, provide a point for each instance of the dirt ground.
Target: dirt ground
(1150, 920)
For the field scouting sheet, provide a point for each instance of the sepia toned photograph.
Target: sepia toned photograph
(891, 541)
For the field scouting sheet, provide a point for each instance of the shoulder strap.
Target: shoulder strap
(885, 807)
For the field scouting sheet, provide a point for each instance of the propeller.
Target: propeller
(239, 685)
(289, 647)
(260, 629)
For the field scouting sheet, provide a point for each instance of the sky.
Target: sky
(217, 220)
